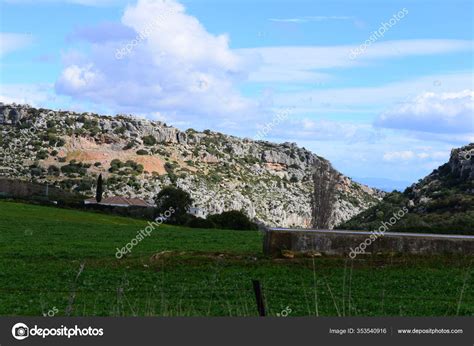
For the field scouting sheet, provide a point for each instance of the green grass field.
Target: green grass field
(206, 273)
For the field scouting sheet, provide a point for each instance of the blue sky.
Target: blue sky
(388, 105)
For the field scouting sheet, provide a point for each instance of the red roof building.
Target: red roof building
(116, 201)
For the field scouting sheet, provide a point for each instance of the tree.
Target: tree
(324, 195)
(174, 198)
(99, 190)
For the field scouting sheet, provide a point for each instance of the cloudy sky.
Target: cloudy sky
(383, 89)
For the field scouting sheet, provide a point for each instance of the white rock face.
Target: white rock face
(270, 182)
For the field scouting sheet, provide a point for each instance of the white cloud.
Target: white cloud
(42, 95)
(372, 99)
(302, 61)
(404, 48)
(32, 94)
(78, 78)
(278, 74)
(398, 155)
(325, 130)
(307, 19)
(10, 42)
(410, 155)
(179, 67)
(449, 112)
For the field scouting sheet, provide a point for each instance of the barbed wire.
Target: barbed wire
(245, 291)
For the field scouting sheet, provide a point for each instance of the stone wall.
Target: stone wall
(344, 242)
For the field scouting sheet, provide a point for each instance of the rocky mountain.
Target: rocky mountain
(137, 157)
(442, 202)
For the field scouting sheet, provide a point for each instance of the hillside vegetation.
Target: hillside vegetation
(442, 202)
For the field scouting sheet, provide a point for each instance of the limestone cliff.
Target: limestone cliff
(270, 182)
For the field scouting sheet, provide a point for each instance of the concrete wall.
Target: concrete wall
(346, 242)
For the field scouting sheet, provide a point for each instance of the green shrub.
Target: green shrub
(120, 130)
(53, 170)
(75, 168)
(198, 222)
(214, 178)
(84, 185)
(125, 168)
(233, 219)
(42, 154)
(129, 145)
(36, 171)
(149, 140)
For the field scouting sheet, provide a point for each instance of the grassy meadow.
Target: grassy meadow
(64, 261)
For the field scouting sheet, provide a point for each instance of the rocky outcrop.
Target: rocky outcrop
(271, 182)
(441, 202)
(453, 175)
(461, 162)
(10, 114)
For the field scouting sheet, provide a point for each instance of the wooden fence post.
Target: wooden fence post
(259, 297)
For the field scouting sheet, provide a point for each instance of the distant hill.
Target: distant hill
(272, 183)
(387, 185)
(442, 202)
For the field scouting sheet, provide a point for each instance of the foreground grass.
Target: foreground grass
(203, 273)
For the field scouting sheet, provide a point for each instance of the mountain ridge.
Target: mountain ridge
(271, 182)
